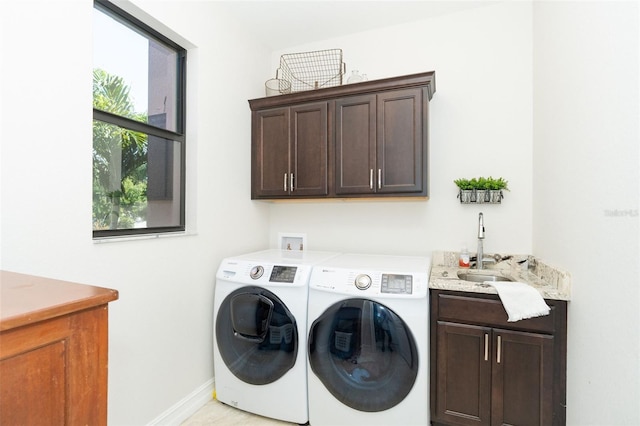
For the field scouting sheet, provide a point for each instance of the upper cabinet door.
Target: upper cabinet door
(270, 157)
(355, 136)
(309, 131)
(400, 146)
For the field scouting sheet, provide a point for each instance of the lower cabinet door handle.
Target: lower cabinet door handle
(486, 347)
(499, 349)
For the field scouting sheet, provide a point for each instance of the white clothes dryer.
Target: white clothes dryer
(368, 340)
(259, 323)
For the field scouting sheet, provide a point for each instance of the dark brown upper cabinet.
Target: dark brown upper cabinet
(367, 139)
(290, 151)
(379, 143)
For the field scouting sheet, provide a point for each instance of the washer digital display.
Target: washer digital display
(397, 284)
(283, 274)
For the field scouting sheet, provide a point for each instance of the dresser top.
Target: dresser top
(26, 299)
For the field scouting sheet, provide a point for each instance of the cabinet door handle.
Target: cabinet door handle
(379, 178)
(486, 346)
(285, 182)
(371, 179)
(291, 181)
(499, 349)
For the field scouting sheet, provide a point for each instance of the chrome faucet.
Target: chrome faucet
(480, 255)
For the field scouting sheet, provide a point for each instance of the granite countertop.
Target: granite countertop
(551, 282)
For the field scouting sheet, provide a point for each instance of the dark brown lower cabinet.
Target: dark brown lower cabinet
(487, 371)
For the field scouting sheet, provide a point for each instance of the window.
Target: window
(138, 127)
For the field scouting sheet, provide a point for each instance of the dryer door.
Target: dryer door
(256, 335)
(364, 354)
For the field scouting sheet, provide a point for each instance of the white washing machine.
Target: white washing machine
(259, 323)
(368, 322)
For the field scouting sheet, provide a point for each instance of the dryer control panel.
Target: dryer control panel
(372, 275)
(396, 284)
(369, 283)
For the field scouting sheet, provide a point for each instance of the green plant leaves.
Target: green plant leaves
(482, 183)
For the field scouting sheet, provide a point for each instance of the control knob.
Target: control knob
(363, 281)
(256, 272)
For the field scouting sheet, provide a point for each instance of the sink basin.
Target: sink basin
(479, 277)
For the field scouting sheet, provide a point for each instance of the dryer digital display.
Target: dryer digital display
(397, 284)
(283, 274)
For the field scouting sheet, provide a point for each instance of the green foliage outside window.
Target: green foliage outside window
(119, 158)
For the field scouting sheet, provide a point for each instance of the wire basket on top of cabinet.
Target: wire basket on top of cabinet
(313, 70)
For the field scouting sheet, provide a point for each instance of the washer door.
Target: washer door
(364, 354)
(256, 335)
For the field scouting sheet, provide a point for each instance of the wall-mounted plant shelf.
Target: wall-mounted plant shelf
(486, 196)
(481, 190)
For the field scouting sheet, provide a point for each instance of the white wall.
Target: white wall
(586, 162)
(480, 125)
(161, 328)
(511, 101)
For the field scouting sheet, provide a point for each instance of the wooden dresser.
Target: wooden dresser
(53, 351)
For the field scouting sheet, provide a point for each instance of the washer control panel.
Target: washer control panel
(279, 273)
(283, 274)
(264, 273)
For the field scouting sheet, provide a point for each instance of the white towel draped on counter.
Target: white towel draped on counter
(520, 300)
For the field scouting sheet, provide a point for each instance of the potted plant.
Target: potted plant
(494, 189)
(481, 189)
(482, 185)
(467, 192)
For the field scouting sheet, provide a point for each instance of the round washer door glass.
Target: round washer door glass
(256, 335)
(364, 354)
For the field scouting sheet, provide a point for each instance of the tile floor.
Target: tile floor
(219, 414)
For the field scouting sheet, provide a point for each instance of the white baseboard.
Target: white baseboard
(186, 407)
